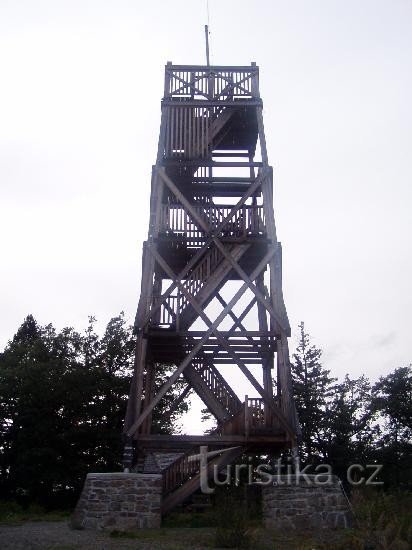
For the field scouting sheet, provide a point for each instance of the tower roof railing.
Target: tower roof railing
(213, 83)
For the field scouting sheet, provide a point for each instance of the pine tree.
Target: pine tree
(312, 386)
(349, 435)
(392, 401)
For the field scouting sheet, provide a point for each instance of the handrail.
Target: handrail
(179, 472)
(173, 306)
(212, 83)
(257, 415)
(248, 220)
(218, 386)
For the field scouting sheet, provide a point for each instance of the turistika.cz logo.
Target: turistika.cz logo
(278, 473)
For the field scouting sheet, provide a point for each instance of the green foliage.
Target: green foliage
(312, 387)
(384, 519)
(348, 431)
(11, 512)
(392, 401)
(62, 403)
(351, 422)
(232, 521)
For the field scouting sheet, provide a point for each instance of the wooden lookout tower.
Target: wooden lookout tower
(211, 292)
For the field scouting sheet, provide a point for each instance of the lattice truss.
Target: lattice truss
(211, 289)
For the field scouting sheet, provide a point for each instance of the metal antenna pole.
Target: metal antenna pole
(207, 45)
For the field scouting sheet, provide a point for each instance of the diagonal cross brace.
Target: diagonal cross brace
(172, 379)
(192, 262)
(213, 326)
(257, 183)
(162, 172)
(248, 281)
(238, 321)
(192, 212)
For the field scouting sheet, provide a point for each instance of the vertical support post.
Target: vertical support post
(157, 291)
(267, 361)
(168, 78)
(285, 380)
(255, 81)
(267, 195)
(148, 395)
(162, 133)
(261, 132)
(247, 417)
(134, 403)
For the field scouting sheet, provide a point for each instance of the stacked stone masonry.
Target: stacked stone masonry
(293, 503)
(119, 501)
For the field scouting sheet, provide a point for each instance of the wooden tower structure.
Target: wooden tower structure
(211, 248)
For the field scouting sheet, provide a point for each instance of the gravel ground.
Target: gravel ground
(59, 536)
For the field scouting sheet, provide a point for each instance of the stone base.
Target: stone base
(291, 502)
(119, 501)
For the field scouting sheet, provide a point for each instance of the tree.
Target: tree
(62, 402)
(312, 387)
(393, 402)
(348, 435)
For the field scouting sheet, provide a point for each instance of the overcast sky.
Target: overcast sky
(81, 83)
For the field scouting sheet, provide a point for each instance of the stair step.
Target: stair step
(214, 283)
(164, 460)
(192, 484)
(213, 390)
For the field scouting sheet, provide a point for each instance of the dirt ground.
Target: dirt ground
(59, 536)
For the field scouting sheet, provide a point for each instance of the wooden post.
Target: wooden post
(247, 417)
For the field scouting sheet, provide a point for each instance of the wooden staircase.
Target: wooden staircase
(213, 389)
(209, 275)
(183, 477)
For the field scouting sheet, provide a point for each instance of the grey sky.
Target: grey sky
(81, 83)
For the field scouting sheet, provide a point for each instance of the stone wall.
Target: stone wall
(119, 501)
(305, 504)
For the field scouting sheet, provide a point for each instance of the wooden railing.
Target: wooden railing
(212, 83)
(252, 417)
(190, 130)
(180, 471)
(234, 425)
(248, 220)
(168, 311)
(218, 386)
(173, 306)
(257, 415)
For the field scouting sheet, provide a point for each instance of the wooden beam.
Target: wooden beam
(213, 326)
(191, 263)
(185, 203)
(172, 379)
(161, 441)
(206, 69)
(238, 323)
(226, 333)
(175, 404)
(250, 191)
(136, 388)
(248, 281)
(214, 102)
(213, 164)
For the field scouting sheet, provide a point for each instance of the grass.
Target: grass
(13, 513)
(384, 522)
(170, 538)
